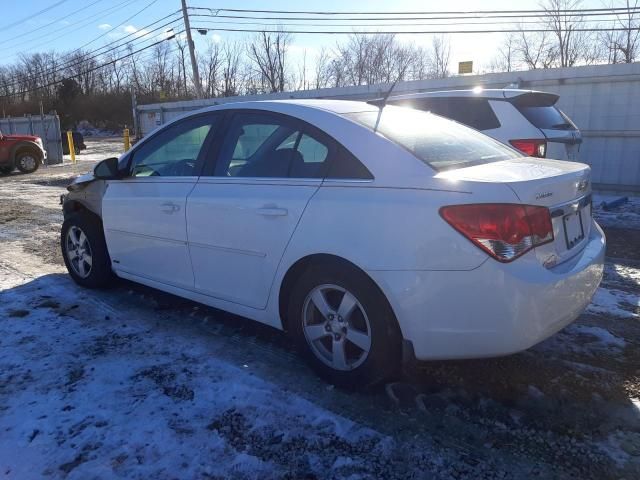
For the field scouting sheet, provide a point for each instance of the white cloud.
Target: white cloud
(130, 29)
(104, 26)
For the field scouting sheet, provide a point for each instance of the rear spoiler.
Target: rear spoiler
(535, 99)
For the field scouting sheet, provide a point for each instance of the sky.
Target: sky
(70, 24)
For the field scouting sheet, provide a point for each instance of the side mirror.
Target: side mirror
(107, 169)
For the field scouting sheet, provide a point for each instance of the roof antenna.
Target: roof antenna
(383, 103)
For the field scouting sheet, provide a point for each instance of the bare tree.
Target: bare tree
(322, 70)
(268, 52)
(623, 46)
(505, 58)
(572, 45)
(441, 53)
(210, 65)
(535, 50)
(230, 69)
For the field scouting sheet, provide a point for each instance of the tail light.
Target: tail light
(503, 230)
(532, 148)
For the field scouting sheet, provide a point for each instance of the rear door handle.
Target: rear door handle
(272, 211)
(170, 207)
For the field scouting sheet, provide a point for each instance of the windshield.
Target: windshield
(438, 142)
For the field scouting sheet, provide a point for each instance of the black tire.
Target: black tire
(28, 161)
(99, 275)
(384, 357)
(77, 150)
(6, 170)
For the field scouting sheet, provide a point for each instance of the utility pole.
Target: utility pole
(192, 53)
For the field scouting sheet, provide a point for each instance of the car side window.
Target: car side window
(473, 112)
(265, 145)
(175, 150)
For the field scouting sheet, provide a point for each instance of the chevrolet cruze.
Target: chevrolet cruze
(370, 234)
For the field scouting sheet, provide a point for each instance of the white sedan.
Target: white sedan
(370, 235)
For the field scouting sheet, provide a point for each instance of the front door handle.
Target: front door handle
(170, 207)
(272, 211)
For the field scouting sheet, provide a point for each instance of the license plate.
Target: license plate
(573, 229)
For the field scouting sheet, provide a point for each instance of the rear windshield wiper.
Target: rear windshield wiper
(562, 126)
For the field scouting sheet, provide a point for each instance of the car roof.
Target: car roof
(334, 106)
(491, 93)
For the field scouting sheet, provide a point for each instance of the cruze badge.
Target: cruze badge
(543, 195)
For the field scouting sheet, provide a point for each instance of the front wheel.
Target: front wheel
(344, 326)
(27, 162)
(84, 250)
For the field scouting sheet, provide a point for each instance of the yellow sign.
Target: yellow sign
(465, 67)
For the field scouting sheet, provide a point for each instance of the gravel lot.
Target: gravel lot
(133, 383)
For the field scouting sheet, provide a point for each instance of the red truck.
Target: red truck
(24, 152)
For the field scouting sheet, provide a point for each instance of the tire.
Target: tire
(27, 161)
(76, 150)
(84, 251)
(6, 170)
(371, 315)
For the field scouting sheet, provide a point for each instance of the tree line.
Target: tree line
(565, 43)
(80, 85)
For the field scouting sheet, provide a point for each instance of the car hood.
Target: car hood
(81, 180)
(28, 138)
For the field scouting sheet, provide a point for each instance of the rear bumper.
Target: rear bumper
(496, 309)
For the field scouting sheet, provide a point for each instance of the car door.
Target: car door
(242, 214)
(144, 213)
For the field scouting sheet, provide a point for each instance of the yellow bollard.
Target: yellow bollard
(72, 149)
(127, 142)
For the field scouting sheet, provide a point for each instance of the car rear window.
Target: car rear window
(547, 118)
(540, 110)
(440, 143)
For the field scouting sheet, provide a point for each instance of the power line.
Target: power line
(119, 25)
(454, 12)
(30, 32)
(85, 58)
(81, 22)
(29, 17)
(231, 22)
(513, 14)
(98, 67)
(404, 32)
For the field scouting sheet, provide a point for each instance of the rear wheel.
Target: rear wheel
(85, 251)
(27, 161)
(344, 326)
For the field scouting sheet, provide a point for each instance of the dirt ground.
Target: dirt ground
(567, 408)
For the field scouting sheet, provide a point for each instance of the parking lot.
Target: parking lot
(136, 383)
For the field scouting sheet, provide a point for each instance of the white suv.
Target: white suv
(526, 120)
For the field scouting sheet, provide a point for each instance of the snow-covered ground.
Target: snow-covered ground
(133, 383)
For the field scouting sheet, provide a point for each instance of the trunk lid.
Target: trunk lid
(563, 187)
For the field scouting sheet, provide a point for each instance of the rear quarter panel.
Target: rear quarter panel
(383, 228)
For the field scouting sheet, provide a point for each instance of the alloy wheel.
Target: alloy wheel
(78, 250)
(336, 327)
